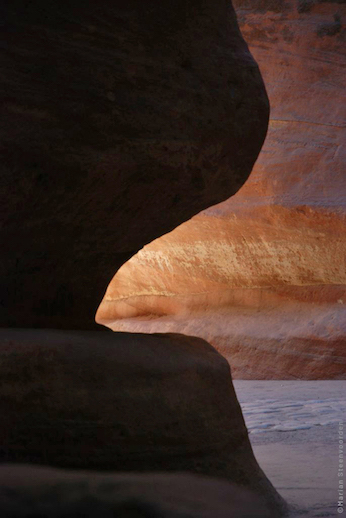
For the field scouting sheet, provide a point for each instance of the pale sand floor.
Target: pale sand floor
(297, 445)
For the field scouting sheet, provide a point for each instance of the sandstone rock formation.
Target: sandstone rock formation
(120, 121)
(262, 276)
(60, 493)
(123, 402)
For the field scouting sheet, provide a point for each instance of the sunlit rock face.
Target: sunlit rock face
(120, 121)
(262, 276)
(124, 402)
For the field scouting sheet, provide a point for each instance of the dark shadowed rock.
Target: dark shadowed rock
(123, 402)
(120, 120)
(52, 493)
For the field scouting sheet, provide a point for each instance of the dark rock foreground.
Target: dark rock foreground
(123, 402)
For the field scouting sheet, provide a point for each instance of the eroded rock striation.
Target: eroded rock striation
(124, 402)
(119, 122)
(271, 258)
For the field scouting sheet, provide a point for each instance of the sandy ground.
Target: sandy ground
(300, 456)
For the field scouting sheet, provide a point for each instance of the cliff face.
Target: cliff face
(275, 252)
(119, 122)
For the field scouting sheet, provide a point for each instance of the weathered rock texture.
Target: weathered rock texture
(28, 490)
(120, 120)
(123, 402)
(279, 245)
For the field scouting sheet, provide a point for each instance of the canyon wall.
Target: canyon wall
(262, 276)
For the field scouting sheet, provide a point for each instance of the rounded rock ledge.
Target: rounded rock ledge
(124, 402)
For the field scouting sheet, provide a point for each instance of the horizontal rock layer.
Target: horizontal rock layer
(289, 340)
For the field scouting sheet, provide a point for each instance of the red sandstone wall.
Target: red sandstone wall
(281, 238)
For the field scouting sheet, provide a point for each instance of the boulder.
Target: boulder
(262, 276)
(120, 120)
(124, 402)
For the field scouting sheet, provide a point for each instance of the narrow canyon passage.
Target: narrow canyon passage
(120, 123)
